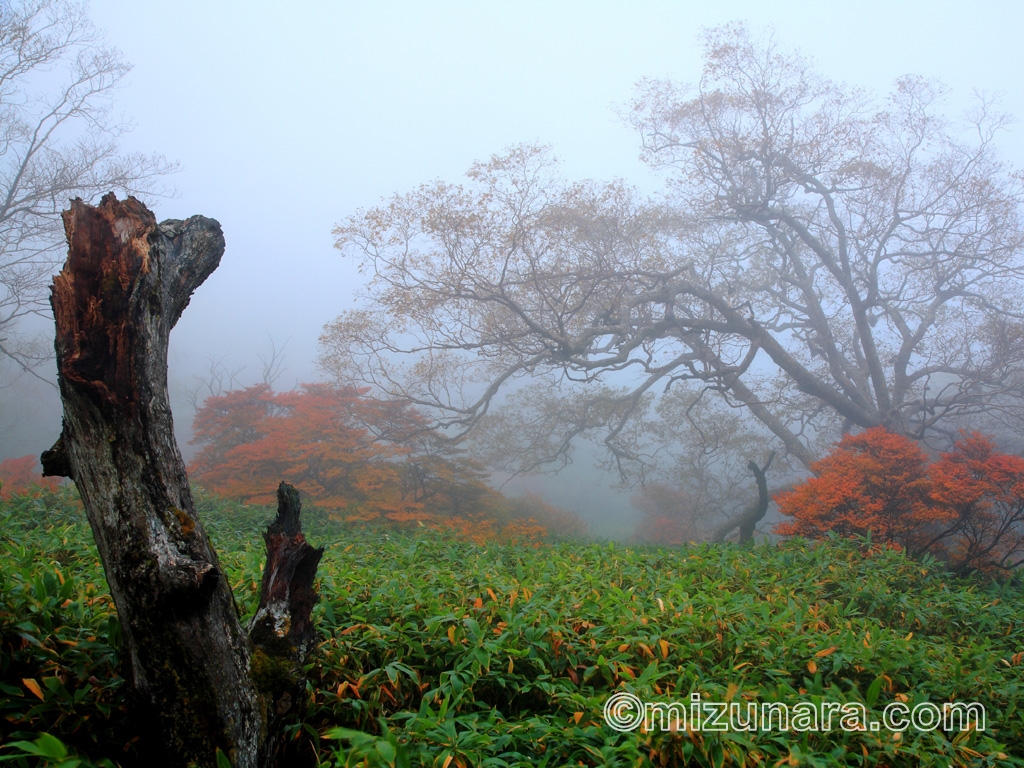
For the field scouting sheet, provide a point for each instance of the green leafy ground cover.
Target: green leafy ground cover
(442, 652)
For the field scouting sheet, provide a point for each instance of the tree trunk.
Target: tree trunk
(282, 631)
(748, 520)
(124, 286)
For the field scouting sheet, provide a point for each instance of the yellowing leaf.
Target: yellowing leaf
(826, 652)
(33, 686)
(812, 667)
(664, 648)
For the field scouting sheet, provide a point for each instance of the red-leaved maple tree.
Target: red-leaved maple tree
(365, 460)
(312, 438)
(966, 508)
(982, 493)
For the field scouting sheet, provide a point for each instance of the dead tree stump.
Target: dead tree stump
(194, 669)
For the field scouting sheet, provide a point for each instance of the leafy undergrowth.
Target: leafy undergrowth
(447, 653)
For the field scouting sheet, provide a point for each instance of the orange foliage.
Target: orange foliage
(527, 531)
(983, 490)
(967, 507)
(327, 442)
(875, 481)
(312, 437)
(23, 476)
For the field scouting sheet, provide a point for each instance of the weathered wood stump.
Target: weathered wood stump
(195, 671)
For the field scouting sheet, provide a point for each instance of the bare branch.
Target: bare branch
(55, 146)
(820, 260)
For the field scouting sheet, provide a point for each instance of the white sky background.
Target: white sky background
(285, 120)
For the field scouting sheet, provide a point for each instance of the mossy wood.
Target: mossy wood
(126, 282)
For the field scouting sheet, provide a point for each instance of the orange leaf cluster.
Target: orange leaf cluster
(874, 482)
(313, 437)
(327, 442)
(966, 508)
(23, 476)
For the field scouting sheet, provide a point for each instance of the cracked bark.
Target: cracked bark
(126, 282)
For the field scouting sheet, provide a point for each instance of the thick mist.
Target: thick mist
(297, 119)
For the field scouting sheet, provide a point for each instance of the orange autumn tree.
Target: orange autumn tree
(372, 461)
(966, 508)
(313, 437)
(982, 491)
(874, 482)
(23, 476)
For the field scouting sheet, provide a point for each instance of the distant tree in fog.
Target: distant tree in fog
(221, 378)
(358, 458)
(314, 438)
(58, 140)
(23, 475)
(819, 262)
(669, 516)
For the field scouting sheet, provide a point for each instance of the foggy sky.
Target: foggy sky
(285, 120)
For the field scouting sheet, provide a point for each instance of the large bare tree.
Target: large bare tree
(819, 259)
(59, 139)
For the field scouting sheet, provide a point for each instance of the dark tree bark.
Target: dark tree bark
(194, 669)
(748, 520)
(282, 632)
